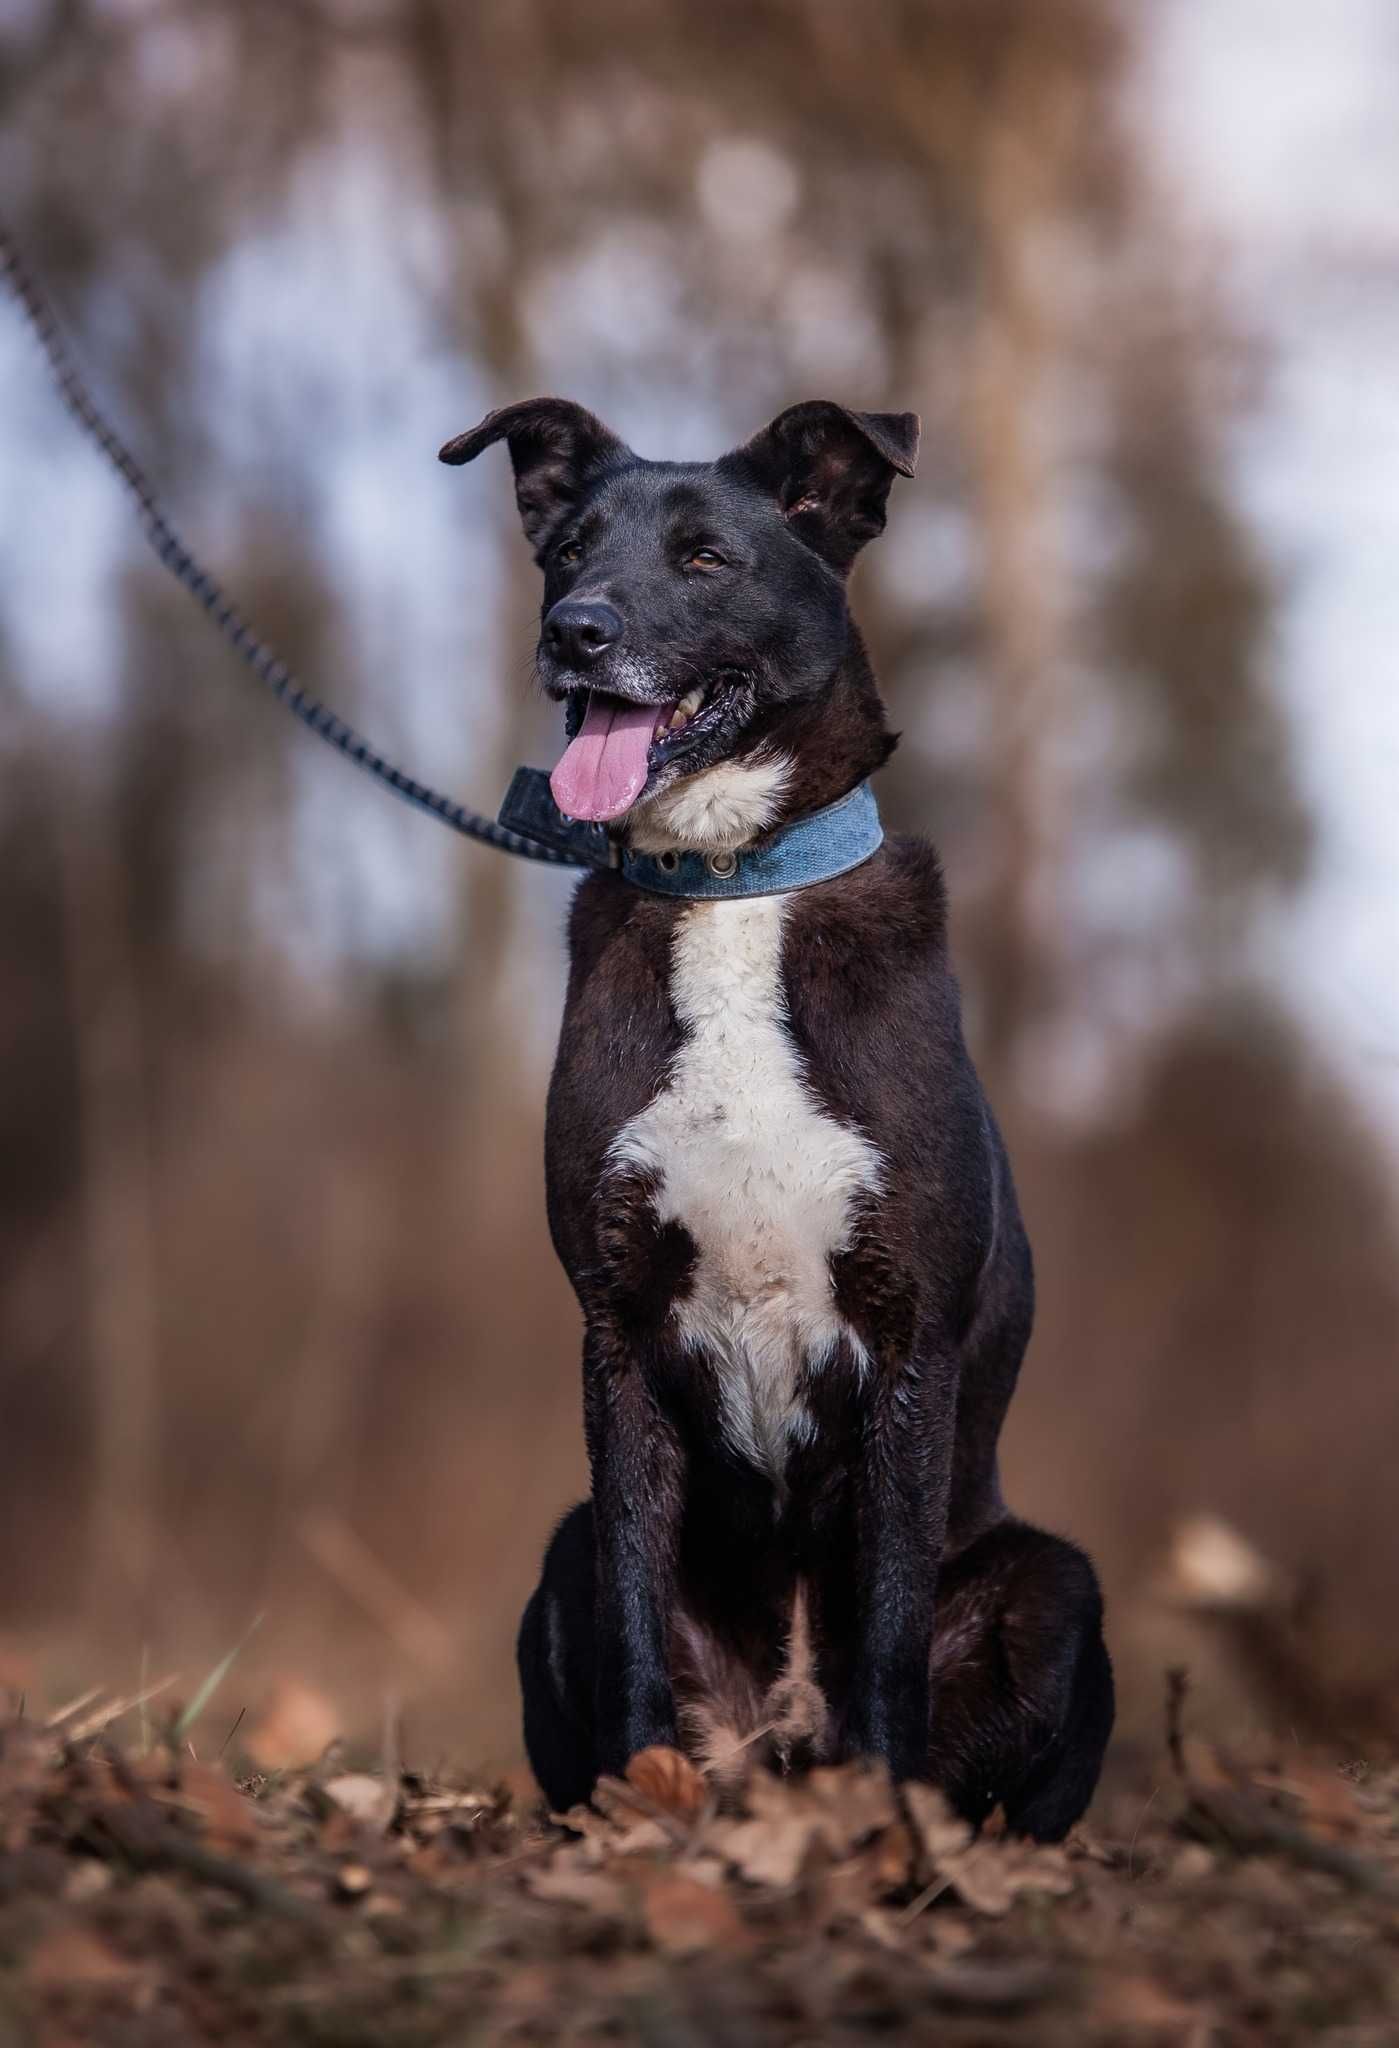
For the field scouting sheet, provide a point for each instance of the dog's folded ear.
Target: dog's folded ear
(830, 470)
(557, 448)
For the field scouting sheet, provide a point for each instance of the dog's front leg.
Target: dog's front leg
(902, 1487)
(635, 1460)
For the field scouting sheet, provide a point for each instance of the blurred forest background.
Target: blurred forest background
(281, 1331)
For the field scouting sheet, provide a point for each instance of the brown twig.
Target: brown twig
(102, 1717)
(1238, 1818)
(143, 1832)
(1177, 1685)
(145, 1835)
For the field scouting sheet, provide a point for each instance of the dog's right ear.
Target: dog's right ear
(557, 448)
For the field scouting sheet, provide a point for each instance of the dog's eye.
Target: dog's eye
(706, 558)
(571, 551)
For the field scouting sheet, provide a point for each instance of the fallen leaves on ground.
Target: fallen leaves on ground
(670, 1781)
(365, 1798)
(156, 1901)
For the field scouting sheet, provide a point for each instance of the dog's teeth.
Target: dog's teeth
(680, 714)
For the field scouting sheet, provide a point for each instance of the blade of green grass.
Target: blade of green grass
(205, 1692)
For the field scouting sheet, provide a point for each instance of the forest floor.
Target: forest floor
(151, 1897)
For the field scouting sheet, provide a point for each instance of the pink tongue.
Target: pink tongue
(603, 771)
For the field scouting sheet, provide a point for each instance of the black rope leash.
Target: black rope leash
(269, 669)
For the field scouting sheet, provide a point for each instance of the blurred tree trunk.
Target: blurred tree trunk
(483, 152)
(117, 1203)
(1017, 167)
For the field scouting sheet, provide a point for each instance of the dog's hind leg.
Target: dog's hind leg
(558, 1665)
(1022, 1684)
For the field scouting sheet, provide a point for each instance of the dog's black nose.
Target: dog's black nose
(577, 634)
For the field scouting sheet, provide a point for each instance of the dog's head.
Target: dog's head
(690, 608)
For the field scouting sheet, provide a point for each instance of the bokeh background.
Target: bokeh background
(281, 1333)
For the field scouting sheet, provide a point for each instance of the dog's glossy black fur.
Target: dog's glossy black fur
(874, 1595)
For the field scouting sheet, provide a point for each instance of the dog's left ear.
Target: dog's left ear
(830, 470)
(558, 448)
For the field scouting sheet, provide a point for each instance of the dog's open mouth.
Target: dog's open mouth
(615, 746)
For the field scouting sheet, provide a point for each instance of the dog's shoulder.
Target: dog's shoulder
(891, 913)
(872, 999)
(614, 926)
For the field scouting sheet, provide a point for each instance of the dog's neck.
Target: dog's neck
(796, 760)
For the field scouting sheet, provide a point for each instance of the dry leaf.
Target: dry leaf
(621, 1831)
(835, 1809)
(1193, 1864)
(563, 1882)
(587, 1822)
(87, 1880)
(353, 1880)
(891, 1857)
(370, 1801)
(851, 1803)
(1325, 1801)
(641, 1838)
(1143, 2009)
(769, 1851)
(952, 1935)
(226, 1814)
(888, 1929)
(1085, 1843)
(940, 1832)
(669, 1780)
(620, 1803)
(684, 1917)
(851, 1884)
(296, 1727)
(989, 1876)
(71, 1956)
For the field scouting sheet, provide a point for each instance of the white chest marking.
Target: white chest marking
(762, 1179)
(723, 806)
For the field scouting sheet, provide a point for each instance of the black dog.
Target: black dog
(774, 1180)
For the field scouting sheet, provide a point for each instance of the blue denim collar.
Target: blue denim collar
(814, 849)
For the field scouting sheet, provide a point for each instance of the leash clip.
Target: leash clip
(529, 810)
